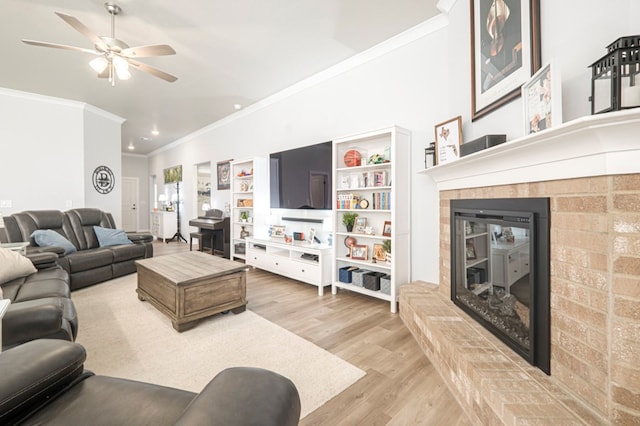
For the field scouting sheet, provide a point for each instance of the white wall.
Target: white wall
(415, 86)
(101, 144)
(50, 148)
(405, 87)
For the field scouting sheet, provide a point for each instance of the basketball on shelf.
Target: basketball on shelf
(352, 158)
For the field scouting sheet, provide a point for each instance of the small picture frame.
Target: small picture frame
(277, 231)
(471, 250)
(542, 100)
(360, 225)
(359, 252)
(378, 252)
(386, 229)
(448, 140)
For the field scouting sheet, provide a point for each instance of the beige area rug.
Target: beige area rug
(127, 338)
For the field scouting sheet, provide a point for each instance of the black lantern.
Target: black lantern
(615, 83)
(430, 155)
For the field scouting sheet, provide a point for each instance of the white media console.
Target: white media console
(300, 260)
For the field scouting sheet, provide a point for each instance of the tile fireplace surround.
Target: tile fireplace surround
(590, 170)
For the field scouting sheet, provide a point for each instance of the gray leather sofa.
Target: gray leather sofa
(44, 382)
(40, 306)
(90, 264)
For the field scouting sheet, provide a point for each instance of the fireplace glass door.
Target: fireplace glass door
(493, 276)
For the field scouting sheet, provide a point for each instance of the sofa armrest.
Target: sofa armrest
(48, 249)
(245, 396)
(30, 320)
(34, 372)
(139, 237)
(43, 260)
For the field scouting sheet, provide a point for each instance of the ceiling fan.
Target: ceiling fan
(113, 56)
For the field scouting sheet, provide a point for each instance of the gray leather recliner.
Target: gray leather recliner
(44, 382)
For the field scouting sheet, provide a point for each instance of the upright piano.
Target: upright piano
(216, 223)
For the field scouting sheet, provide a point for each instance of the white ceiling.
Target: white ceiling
(228, 52)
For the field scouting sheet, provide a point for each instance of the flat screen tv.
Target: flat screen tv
(300, 178)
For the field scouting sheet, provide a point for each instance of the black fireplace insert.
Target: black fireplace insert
(500, 270)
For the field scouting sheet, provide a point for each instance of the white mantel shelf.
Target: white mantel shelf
(596, 145)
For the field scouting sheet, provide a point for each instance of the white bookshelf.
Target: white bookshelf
(250, 194)
(387, 188)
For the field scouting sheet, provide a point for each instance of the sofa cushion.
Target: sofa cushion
(84, 260)
(110, 237)
(48, 238)
(13, 265)
(123, 253)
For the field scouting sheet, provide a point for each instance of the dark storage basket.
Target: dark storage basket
(344, 274)
(372, 280)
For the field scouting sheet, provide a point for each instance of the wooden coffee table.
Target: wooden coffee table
(191, 286)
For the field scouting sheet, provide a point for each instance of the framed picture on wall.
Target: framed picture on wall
(505, 51)
(224, 174)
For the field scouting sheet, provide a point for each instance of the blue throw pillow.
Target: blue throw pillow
(49, 238)
(110, 237)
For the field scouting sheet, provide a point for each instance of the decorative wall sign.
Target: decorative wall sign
(103, 179)
(224, 174)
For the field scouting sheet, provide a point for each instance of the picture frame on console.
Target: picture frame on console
(277, 231)
(448, 140)
(505, 51)
(542, 100)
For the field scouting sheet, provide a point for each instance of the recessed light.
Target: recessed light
(155, 132)
(131, 147)
(237, 106)
(145, 139)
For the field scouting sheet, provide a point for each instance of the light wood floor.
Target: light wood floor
(401, 386)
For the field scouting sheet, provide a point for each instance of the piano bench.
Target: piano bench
(200, 236)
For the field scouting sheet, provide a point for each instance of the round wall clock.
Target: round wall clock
(364, 203)
(103, 180)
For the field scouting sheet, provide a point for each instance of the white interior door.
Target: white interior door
(130, 204)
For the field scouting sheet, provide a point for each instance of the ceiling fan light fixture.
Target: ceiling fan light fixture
(122, 68)
(99, 64)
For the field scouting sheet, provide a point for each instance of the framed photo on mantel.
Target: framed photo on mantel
(448, 140)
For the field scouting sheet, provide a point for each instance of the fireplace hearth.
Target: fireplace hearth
(500, 270)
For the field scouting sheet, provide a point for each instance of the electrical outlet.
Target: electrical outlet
(5, 204)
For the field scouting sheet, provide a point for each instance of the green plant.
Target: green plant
(349, 219)
(244, 215)
(386, 245)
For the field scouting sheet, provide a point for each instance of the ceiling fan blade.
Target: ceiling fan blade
(60, 46)
(82, 28)
(149, 50)
(153, 71)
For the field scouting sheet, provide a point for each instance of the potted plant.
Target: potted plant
(349, 219)
(244, 215)
(386, 245)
